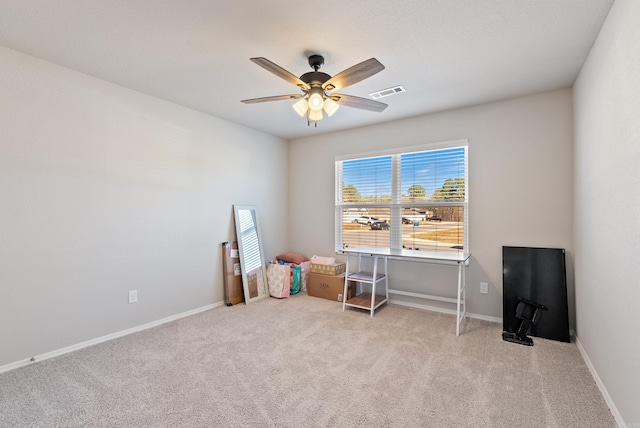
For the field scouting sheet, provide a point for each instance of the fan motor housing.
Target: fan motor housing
(315, 78)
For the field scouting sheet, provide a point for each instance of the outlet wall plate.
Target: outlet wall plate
(484, 288)
(133, 296)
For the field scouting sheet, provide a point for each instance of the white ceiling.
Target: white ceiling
(446, 53)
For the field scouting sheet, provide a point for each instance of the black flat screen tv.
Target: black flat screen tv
(538, 275)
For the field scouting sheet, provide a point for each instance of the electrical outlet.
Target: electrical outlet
(133, 296)
(340, 297)
(484, 288)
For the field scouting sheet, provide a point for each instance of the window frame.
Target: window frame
(396, 205)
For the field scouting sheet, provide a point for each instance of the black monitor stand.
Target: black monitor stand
(529, 314)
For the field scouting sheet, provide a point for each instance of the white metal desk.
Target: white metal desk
(459, 259)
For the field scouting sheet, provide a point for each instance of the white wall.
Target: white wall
(607, 207)
(520, 187)
(105, 190)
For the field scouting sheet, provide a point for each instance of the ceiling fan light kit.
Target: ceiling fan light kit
(316, 98)
(316, 87)
(301, 106)
(330, 106)
(315, 115)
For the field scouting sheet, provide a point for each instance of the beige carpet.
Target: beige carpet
(302, 362)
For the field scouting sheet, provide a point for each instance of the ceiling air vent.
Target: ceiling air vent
(386, 92)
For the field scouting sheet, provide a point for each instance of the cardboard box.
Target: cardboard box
(329, 286)
(336, 269)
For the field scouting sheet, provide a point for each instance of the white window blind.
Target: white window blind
(369, 179)
(437, 175)
(414, 200)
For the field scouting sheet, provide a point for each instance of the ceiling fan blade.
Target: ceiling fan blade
(357, 102)
(274, 98)
(280, 72)
(353, 74)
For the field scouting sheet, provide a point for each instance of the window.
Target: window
(416, 199)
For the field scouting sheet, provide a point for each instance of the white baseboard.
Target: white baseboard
(66, 350)
(443, 310)
(601, 387)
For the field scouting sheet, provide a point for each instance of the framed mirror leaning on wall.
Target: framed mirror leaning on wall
(252, 262)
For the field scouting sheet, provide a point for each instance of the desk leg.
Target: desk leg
(373, 285)
(346, 285)
(459, 297)
(464, 290)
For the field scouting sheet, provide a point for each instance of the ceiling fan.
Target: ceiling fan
(318, 87)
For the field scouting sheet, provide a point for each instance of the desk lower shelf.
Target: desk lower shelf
(366, 277)
(363, 301)
(368, 301)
